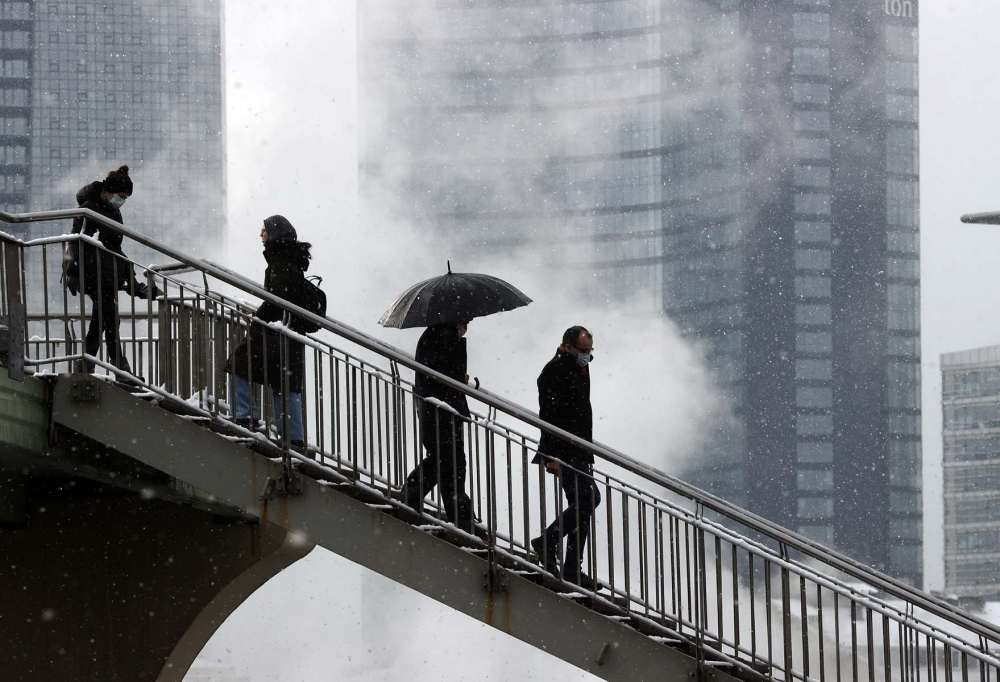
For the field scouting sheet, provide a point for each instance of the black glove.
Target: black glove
(139, 290)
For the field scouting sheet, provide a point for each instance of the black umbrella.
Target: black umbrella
(453, 297)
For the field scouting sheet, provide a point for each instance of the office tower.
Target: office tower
(753, 163)
(90, 85)
(971, 391)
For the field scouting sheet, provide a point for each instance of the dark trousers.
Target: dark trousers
(444, 466)
(582, 497)
(104, 317)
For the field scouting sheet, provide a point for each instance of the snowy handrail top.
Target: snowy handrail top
(790, 540)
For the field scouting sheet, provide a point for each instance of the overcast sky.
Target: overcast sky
(292, 120)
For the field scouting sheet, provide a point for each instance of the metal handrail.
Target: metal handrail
(992, 218)
(788, 540)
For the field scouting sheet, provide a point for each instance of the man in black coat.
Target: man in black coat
(564, 401)
(105, 272)
(259, 360)
(443, 349)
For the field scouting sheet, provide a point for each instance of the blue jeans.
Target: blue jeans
(239, 402)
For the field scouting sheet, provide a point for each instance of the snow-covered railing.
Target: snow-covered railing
(763, 600)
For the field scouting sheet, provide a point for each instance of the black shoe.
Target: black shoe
(578, 577)
(247, 423)
(550, 563)
(399, 494)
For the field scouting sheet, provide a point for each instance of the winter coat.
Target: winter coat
(564, 401)
(443, 350)
(111, 266)
(287, 262)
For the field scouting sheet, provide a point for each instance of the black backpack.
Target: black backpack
(313, 299)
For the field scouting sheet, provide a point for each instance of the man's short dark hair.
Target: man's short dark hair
(573, 334)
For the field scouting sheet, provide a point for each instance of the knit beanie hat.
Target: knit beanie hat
(118, 181)
(278, 228)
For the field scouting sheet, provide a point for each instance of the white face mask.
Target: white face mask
(117, 200)
(462, 328)
(583, 359)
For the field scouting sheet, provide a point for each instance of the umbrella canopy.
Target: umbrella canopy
(453, 297)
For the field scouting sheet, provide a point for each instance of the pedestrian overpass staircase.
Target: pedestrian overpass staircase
(687, 584)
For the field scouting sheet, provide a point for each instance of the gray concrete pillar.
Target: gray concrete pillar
(102, 584)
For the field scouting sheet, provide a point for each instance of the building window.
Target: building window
(814, 343)
(901, 41)
(904, 424)
(901, 108)
(813, 287)
(813, 370)
(809, 452)
(811, 26)
(810, 397)
(811, 93)
(812, 259)
(812, 176)
(811, 61)
(902, 150)
(818, 204)
(901, 75)
(903, 385)
(904, 307)
(81, 39)
(906, 346)
(814, 479)
(815, 508)
(901, 200)
(812, 232)
(904, 268)
(809, 314)
(813, 148)
(15, 68)
(811, 121)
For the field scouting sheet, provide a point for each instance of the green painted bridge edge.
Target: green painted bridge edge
(23, 414)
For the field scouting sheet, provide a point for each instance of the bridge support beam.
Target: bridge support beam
(98, 583)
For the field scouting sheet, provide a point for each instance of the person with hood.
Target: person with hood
(287, 261)
(564, 401)
(105, 272)
(442, 348)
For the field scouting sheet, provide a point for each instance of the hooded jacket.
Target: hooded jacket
(564, 401)
(287, 262)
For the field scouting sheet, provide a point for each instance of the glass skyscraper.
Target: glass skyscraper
(90, 85)
(971, 390)
(752, 164)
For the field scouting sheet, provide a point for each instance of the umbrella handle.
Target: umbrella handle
(476, 379)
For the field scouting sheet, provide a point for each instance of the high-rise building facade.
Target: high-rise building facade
(752, 163)
(521, 129)
(970, 383)
(89, 85)
(805, 285)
